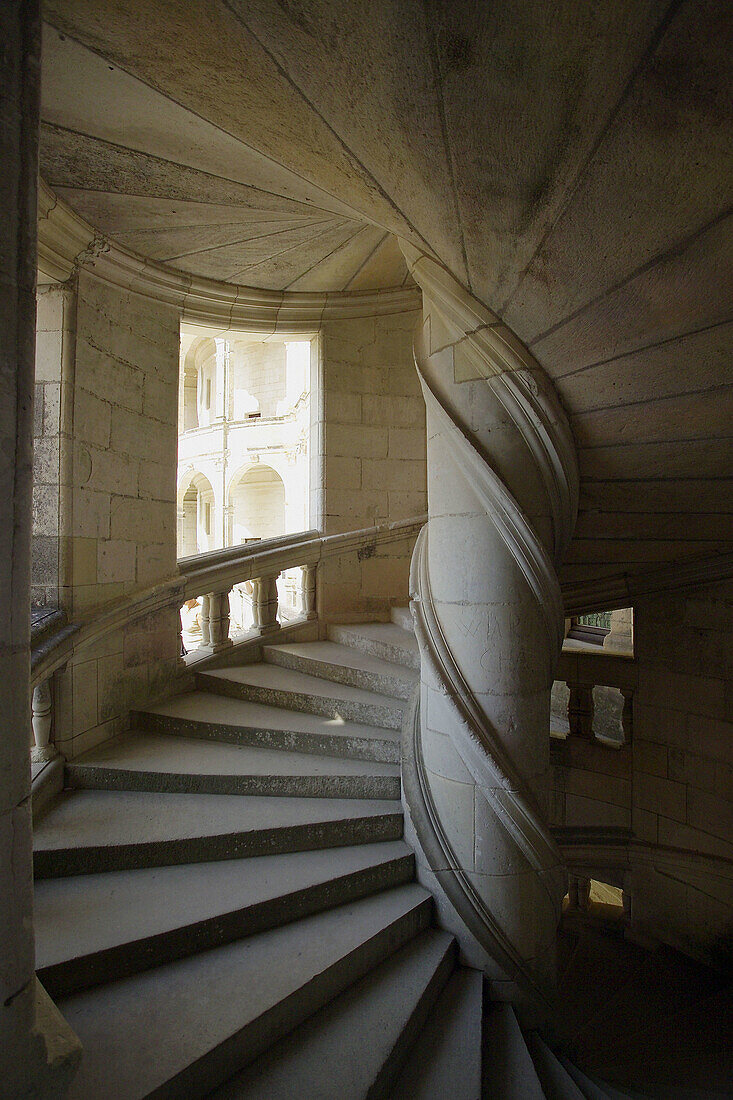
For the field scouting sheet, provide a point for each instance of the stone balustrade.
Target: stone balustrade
(591, 740)
(212, 576)
(598, 695)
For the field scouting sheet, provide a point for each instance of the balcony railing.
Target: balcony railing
(210, 576)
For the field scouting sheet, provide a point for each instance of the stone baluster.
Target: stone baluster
(219, 621)
(205, 620)
(578, 892)
(42, 719)
(308, 591)
(265, 603)
(580, 710)
(627, 715)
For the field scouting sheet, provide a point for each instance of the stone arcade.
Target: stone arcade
(341, 855)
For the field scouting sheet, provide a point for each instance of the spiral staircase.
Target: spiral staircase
(226, 906)
(225, 903)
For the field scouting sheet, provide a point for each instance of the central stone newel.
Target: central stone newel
(502, 489)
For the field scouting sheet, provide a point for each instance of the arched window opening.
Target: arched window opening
(196, 516)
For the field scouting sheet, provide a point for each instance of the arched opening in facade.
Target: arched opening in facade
(257, 502)
(196, 515)
(197, 382)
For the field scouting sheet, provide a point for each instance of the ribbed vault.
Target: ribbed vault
(568, 163)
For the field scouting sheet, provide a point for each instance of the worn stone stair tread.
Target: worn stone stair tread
(509, 1072)
(342, 663)
(557, 1083)
(79, 919)
(274, 685)
(402, 617)
(191, 1024)
(385, 640)
(445, 1060)
(205, 715)
(354, 1044)
(159, 761)
(109, 830)
(290, 680)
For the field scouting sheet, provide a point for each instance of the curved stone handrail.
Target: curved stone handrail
(217, 570)
(502, 489)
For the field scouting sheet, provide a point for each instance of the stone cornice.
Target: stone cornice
(66, 242)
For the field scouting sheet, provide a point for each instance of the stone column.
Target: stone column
(221, 396)
(26, 1057)
(502, 492)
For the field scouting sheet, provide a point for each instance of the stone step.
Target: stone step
(205, 716)
(556, 1081)
(509, 1071)
(387, 641)
(163, 762)
(183, 1028)
(402, 617)
(445, 1061)
(283, 687)
(92, 831)
(591, 1090)
(354, 1047)
(100, 927)
(343, 665)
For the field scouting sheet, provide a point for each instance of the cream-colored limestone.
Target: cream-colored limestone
(501, 477)
(374, 467)
(111, 475)
(33, 1063)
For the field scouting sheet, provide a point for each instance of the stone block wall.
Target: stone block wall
(118, 513)
(372, 437)
(591, 784)
(683, 765)
(123, 516)
(53, 419)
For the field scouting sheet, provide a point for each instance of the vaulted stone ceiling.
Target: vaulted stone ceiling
(570, 162)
